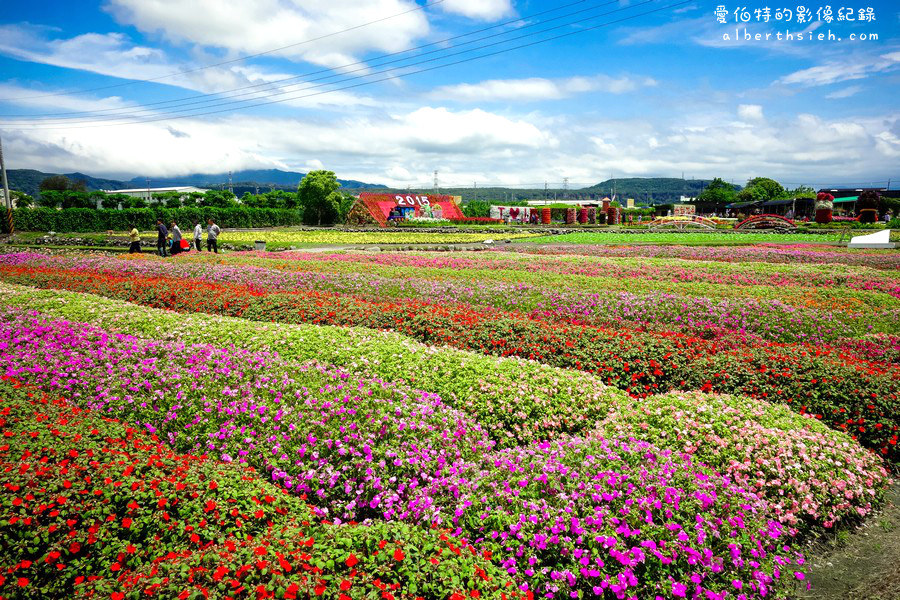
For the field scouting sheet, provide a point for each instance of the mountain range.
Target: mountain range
(651, 190)
(29, 181)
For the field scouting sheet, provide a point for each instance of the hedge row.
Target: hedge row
(87, 220)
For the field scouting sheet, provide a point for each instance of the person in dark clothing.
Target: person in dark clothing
(161, 238)
(212, 237)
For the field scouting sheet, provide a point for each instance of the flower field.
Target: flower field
(286, 237)
(645, 422)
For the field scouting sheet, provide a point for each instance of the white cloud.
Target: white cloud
(43, 99)
(114, 55)
(750, 112)
(486, 10)
(845, 92)
(843, 70)
(254, 26)
(468, 145)
(538, 88)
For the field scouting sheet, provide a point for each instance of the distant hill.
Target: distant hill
(248, 179)
(657, 189)
(29, 181)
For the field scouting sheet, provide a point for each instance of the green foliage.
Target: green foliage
(718, 191)
(762, 189)
(803, 191)
(344, 206)
(57, 183)
(477, 208)
(218, 199)
(21, 199)
(83, 220)
(135, 202)
(319, 197)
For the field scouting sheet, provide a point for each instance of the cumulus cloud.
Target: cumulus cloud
(750, 112)
(486, 10)
(466, 145)
(538, 88)
(254, 26)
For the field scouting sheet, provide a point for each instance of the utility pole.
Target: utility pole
(475, 184)
(565, 187)
(230, 186)
(7, 201)
(148, 190)
(435, 181)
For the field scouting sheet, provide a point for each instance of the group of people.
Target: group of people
(172, 234)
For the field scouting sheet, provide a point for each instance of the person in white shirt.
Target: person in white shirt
(198, 236)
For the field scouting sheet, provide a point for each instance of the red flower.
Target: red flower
(126, 522)
(213, 485)
(320, 589)
(398, 554)
(23, 582)
(291, 592)
(351, 562)
(345, 585)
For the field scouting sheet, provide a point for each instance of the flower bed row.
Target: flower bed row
(766, 253)
(850, 393)
(94, 507)
(571, 517)
(829, 478)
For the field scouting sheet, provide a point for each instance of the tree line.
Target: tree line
(758, 189)
(317, 201)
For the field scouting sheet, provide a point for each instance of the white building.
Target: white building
(149, 193)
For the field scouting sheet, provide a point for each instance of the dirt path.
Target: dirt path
(863, 564)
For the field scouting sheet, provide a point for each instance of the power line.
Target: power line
(83, 124)
(227, 62)
(317, 72)
(213, 99)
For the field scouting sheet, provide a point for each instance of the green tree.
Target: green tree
(21, 199)
(319, 197)
(803, 191)
(477, 208)
(136, 202)
(218, 199)
(50, 198)
(346, 203)
(762, 189)
(719, 191)
(58, 183)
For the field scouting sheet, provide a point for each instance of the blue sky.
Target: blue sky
(631, 88)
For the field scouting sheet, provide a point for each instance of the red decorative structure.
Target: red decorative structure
(570, 216)
(824, 207)
(377, 207)
(545, 215)
(766, 222)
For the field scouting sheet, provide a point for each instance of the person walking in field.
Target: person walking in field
(198, 236)
(134, 236)
(176, 238)
(212, 237)
(162, 235)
